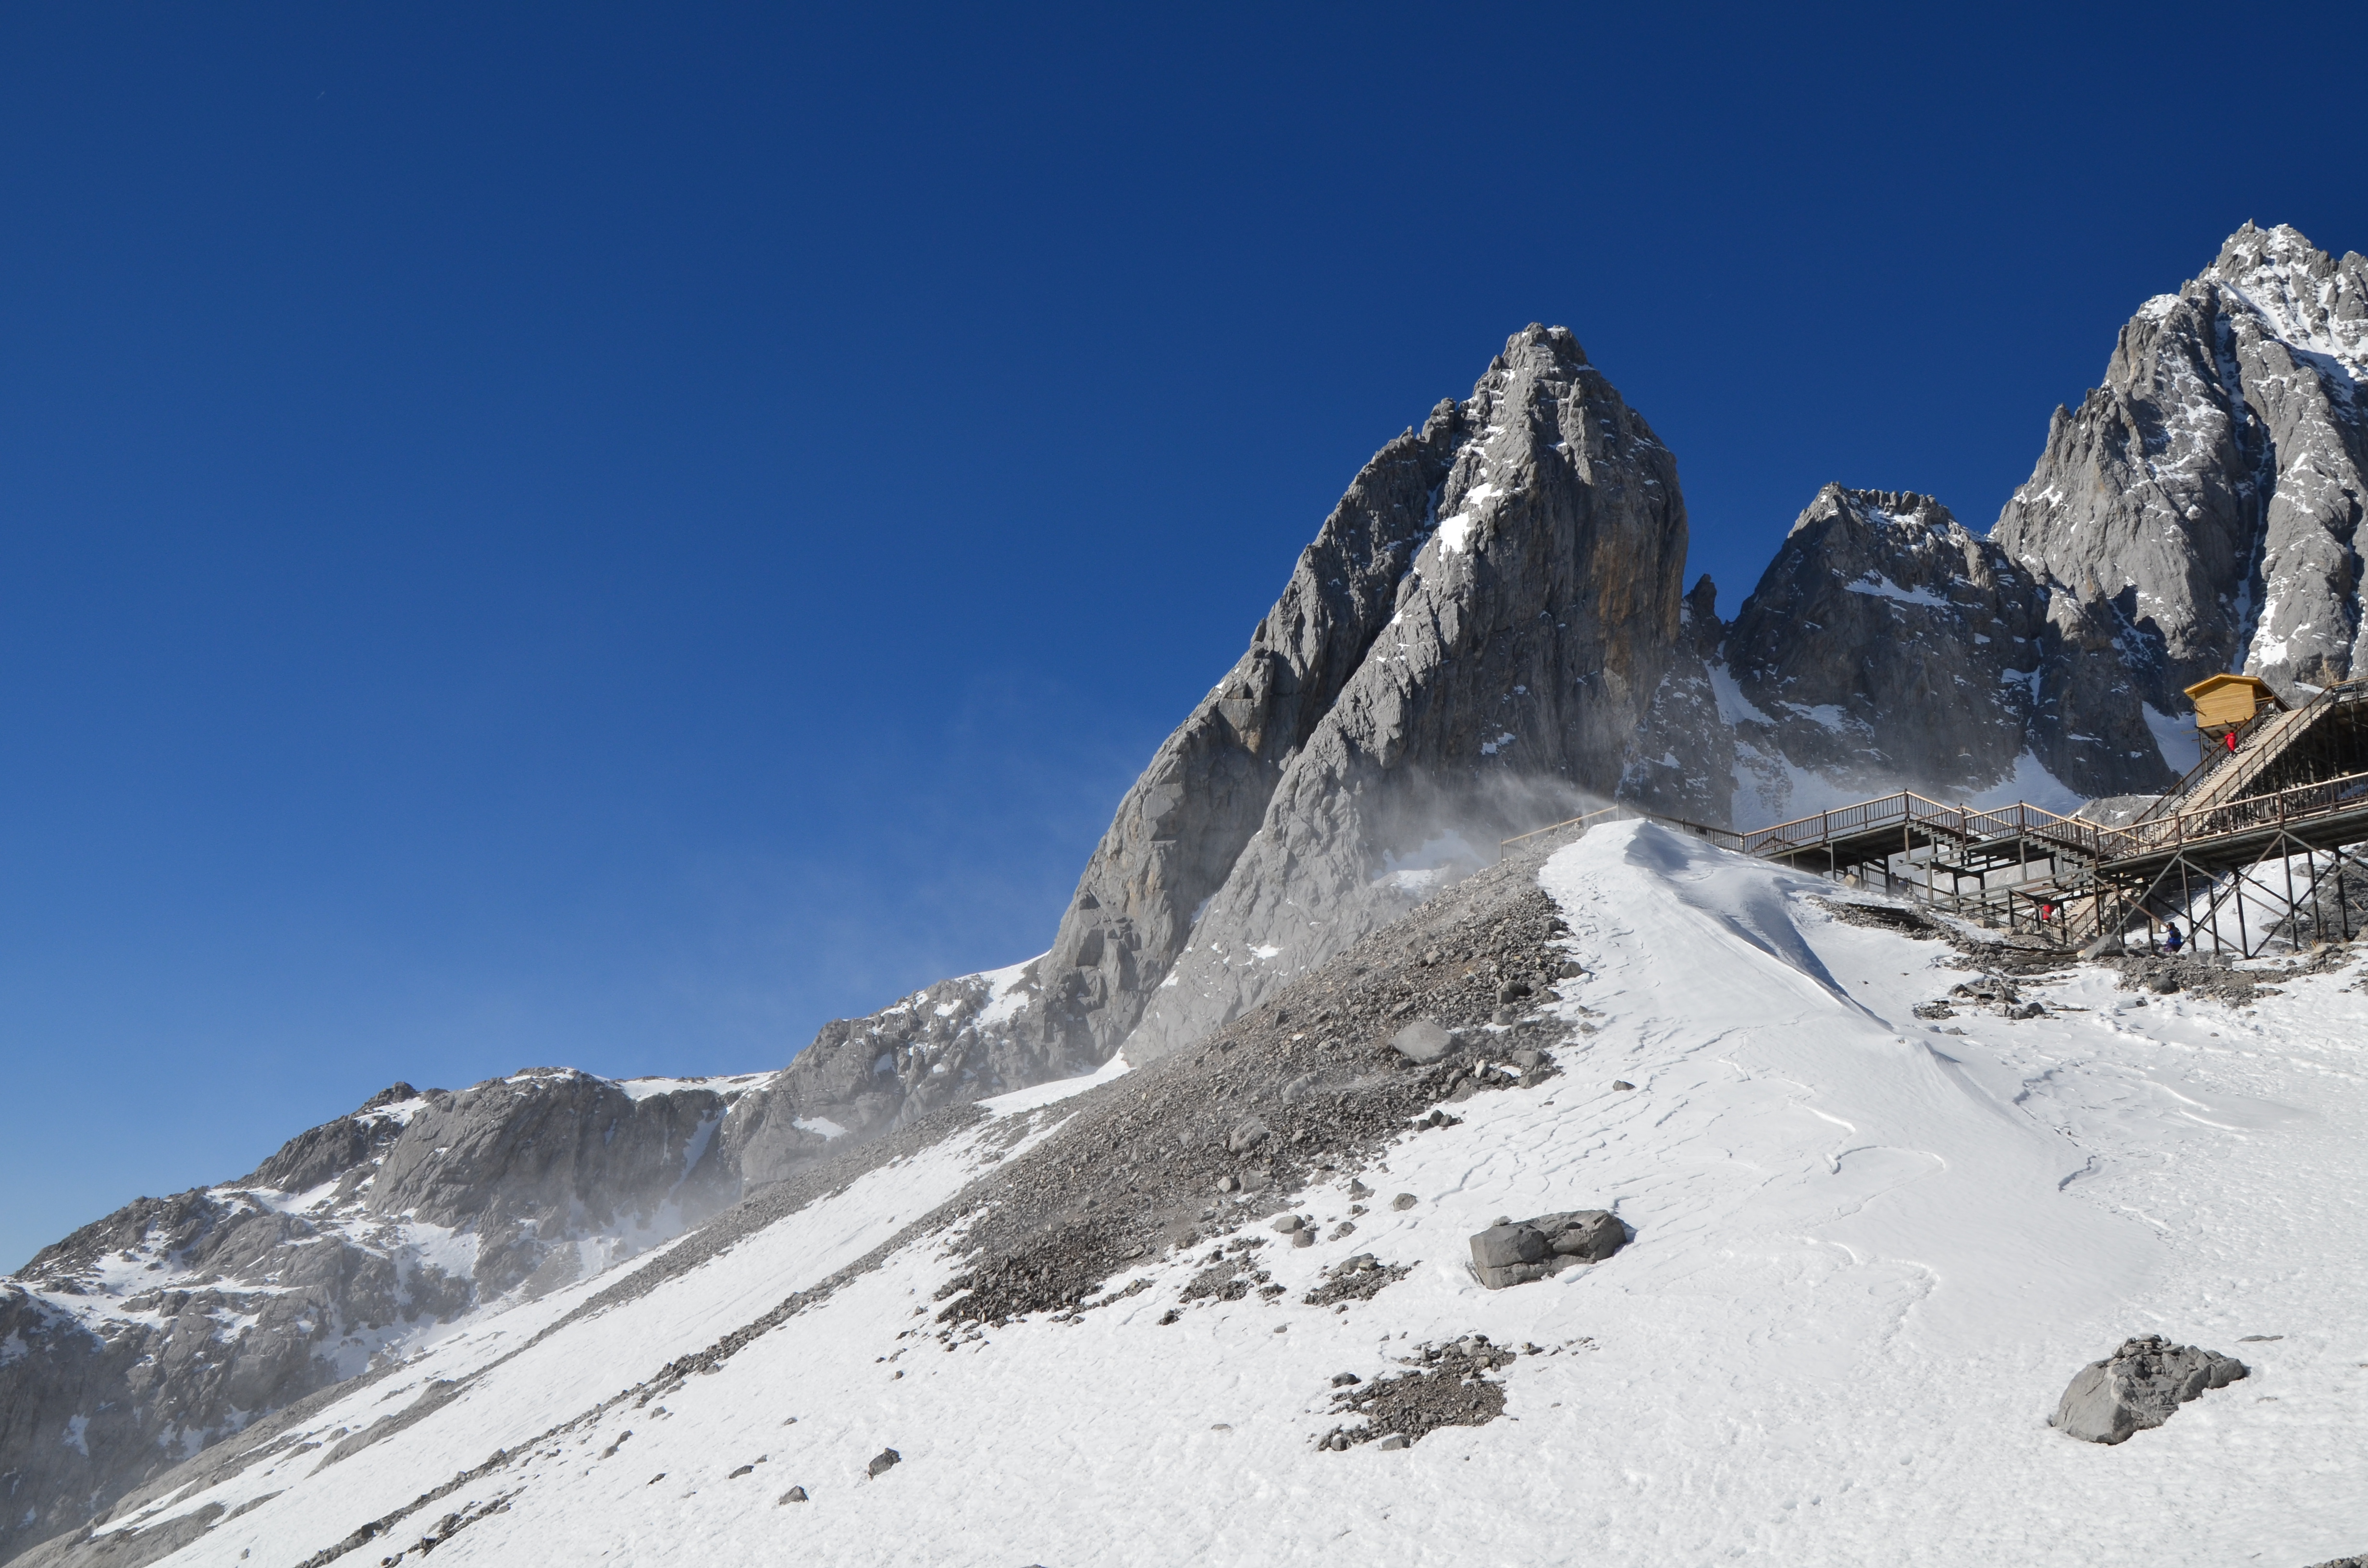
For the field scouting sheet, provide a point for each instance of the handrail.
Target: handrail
(2302, 801)
(2210, 763)
(1556, 827)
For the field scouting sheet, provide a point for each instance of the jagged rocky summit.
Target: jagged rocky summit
(1489, 633)
(1889, 647)
(2211, 490)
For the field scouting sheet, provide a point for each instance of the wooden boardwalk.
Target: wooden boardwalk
(2257, 846)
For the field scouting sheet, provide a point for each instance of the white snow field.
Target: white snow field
(1869, 1255)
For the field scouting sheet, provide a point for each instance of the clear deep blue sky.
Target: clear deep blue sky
(612, 535)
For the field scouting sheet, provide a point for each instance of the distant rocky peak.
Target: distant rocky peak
(1887, 531)
(1901, 509)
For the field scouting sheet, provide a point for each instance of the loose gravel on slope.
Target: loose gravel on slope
(1303, 1089)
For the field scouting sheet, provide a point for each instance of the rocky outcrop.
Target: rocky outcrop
(1178, 836)
(1934, 663)
(138, 1340)
(1466, 650)
(1887, 647)
(955, 1041)
(2198, 513)
(2210, 490)
(1529, 635)
(1688, 748)
(2141, 1385)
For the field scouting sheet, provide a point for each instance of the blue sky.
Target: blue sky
(611, 535)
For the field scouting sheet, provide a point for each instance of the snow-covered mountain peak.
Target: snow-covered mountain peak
(2212, 486)
(2309, 299)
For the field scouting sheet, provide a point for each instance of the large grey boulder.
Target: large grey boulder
(2141, 1385)
(1422, 1041)
(1518, 1252)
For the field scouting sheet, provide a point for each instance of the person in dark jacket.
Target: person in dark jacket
(2170, 941)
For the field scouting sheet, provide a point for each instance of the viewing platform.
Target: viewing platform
(2257, 845)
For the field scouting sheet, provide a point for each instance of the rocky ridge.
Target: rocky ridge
(1889, 647)
(177, 1321)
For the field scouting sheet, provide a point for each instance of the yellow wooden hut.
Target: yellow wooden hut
(2229, 703)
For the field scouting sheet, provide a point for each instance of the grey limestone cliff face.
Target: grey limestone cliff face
(1686, 750)
(2212, 489)
(1467, 648)
(956, 1041)
(1528, 637)
(2199, 512)
(1170, 847)
(174, 1322)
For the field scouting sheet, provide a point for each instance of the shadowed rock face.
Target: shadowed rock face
(2212, 489)
(1886, 647)
(141, 1338)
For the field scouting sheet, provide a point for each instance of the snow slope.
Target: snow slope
(1869, 1253)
